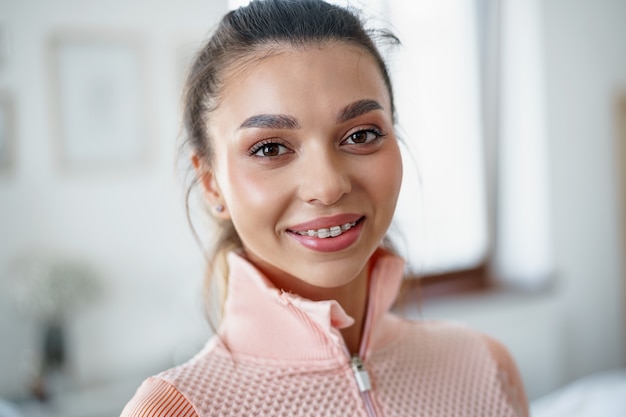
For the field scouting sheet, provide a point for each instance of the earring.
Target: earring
(219, 208)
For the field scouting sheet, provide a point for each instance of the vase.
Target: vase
(51, 376)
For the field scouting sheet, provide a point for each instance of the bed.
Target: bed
(598, 395)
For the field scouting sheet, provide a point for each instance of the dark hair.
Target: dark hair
(262, 27)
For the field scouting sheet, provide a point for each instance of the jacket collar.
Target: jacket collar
(264, 322)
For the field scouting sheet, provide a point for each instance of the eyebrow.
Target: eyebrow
(270, 121)
(357, 109)
(283, 121)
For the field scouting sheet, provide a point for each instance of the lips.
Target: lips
(326, 232)
(329, 234)
(326, 227)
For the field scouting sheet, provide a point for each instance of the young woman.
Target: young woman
(289, 112)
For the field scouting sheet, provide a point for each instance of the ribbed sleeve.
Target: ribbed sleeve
(158, 398)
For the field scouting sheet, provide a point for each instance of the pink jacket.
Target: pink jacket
(278, 354)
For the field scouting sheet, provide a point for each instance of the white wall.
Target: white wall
(132, 225)
(586, 56)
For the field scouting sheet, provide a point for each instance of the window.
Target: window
(440, 118)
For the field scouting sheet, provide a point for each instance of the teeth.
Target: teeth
(324, 233)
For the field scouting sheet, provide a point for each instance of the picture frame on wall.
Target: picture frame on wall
(99, 101)
(621, 162)
(4, 45)
(620, 114)
(7, 133)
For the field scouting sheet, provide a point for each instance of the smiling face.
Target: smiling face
(306, 163)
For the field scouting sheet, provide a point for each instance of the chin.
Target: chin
(330, 276)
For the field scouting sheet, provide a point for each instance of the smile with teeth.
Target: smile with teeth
(326, 232)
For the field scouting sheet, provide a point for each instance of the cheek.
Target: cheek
(384, 177)
(253, 198)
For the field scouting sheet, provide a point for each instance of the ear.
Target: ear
(211, 188)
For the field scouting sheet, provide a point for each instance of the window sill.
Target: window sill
(495, 311)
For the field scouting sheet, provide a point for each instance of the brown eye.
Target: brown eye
(359, 137)
(269, 150)
(363, 137)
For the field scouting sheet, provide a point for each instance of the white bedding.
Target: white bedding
(7, 410)
(600, 395)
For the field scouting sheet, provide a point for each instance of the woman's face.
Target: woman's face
(306, 163)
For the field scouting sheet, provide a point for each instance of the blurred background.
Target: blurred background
(514, 119)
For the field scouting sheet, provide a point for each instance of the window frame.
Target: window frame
(479, 278)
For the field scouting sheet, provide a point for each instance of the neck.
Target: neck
(352, 297)
(356, 307)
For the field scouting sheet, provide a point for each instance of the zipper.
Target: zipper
(363, 382)
(361, 375)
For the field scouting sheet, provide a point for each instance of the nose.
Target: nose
(324, 178)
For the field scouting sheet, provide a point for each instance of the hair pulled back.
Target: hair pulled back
(261, 27)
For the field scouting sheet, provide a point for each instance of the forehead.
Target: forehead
(295, 80)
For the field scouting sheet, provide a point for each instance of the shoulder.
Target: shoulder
(470, 355)
(441, 342)
(508, 374)
(454, 335)
(158, 398)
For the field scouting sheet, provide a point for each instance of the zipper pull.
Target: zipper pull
(360, 374)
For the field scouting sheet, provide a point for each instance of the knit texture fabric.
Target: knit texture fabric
(417, 368)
